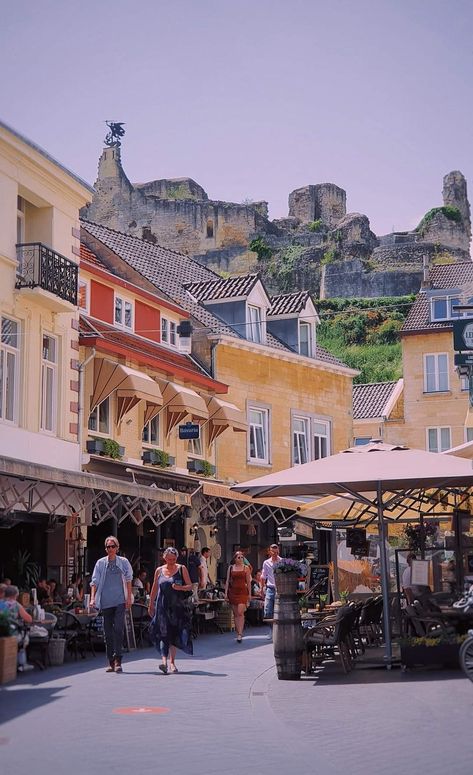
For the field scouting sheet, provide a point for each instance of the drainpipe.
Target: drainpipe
(80, 415)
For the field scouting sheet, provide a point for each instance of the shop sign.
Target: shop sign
(190, 430)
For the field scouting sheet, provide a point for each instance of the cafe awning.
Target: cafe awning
(130, 385)
(223, 415)
(181, 402)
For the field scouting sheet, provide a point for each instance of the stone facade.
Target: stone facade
(319, 246)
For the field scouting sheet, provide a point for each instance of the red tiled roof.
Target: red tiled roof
(288, 303)
(91, 258)
(370, 399)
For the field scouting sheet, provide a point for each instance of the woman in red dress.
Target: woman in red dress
(238, 591)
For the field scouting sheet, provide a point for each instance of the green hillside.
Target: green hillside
(364, 334)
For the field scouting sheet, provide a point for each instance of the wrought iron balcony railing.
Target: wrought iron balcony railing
(39, 266)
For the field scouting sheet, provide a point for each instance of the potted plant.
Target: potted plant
(344, 596)
(8, 650)
(158, 457)
(202, 467)
(27, 572)
(105, 447)
(286, 575)
(425, 651)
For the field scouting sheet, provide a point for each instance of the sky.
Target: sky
(252, 98)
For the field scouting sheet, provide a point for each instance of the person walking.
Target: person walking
(171, 616)
(268, 585)
(110, 592)
(238, 591)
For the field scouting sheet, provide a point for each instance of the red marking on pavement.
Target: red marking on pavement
(139, 711)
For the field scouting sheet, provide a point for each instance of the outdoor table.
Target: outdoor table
(209, 615)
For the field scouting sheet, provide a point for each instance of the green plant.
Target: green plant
(262, 250)
(446, 638)
(450, 212)
(25, 570)
(344, 595)
(111, 448)
(323, 598)
(207, 468)
(5, 629)
(328, 257)
(303, 602)
(179, 192)
(162, 458)
(315, 225)
(387, 333)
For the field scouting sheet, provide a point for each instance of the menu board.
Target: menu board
(318, 580)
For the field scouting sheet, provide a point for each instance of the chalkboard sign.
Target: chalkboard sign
(318, 581)
(130, 640)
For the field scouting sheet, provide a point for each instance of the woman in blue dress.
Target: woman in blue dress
(171, 616)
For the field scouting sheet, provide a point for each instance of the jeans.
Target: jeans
(269, 602)
(113, 627)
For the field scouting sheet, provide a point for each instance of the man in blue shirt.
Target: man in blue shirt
(110, 591)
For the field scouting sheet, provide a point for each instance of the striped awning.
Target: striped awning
(223, 415)
(180, 403)
(131, 386)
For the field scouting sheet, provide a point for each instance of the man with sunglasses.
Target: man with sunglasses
(110, 592)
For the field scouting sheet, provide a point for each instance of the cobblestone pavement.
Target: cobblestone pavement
(226, 712)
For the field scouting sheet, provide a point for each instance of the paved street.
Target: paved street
(226, 712)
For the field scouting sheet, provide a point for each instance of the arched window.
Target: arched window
(210, 227)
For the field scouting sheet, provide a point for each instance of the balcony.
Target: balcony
(47, 276)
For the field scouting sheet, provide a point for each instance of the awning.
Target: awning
(130, 385)
(180, 402)
(223, 415)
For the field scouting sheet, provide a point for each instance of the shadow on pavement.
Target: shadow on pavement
(331, 674)
(26, 700)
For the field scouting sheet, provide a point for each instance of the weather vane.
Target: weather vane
(112, 138)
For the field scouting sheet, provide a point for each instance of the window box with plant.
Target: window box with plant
(158, 457)
(105, 447)
(202, 467)
(426, 652)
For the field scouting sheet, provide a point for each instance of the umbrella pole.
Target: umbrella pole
(384, 581)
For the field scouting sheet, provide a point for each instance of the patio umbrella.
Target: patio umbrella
(379, 475)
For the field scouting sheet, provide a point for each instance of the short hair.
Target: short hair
(112, 538)
(170, 550)
(11, 590)
(2, 589)
(205, 549)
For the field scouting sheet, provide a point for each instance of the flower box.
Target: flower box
(443, 654)
(202, 467)
(156, 457)
(106, 448)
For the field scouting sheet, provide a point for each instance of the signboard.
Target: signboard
(130, 640)
(463, 334)
(463, 359)
(302, 528)
(318, 580)
(420, 573)
(190, 430)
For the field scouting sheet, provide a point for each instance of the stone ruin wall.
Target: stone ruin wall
(178, 214)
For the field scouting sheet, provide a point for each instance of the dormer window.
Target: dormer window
(255, 324)
(441, 308)
(123, 313)
(306, 339)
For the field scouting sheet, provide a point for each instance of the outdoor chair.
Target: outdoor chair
(370, 621)
(77, 636)
(355, 640)
(329, 639)
(141, 620)
(421, 624)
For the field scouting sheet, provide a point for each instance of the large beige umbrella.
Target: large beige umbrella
(380, 476)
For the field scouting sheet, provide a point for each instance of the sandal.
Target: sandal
(164, 669)
(239, 639)
(174, 669)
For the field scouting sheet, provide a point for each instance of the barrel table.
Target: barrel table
(287, 629)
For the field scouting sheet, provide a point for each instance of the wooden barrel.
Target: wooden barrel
(287, 637)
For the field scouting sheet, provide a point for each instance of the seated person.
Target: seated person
(256, 586)
(77, 588)
(140, 585)
(16, 615)
(42, 592)
(54, 594)
(255, 610)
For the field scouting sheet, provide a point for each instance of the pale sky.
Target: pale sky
(252, 98)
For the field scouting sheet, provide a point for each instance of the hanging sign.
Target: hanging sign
(463, 334)
(302, 529)
(190, 430)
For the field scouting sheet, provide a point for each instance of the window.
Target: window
(468, 434)
(258, 435)
(438, 439)
(83, 295)
(9, 365)
(359, 441)
(20, 220)
(49, 384)
(150, 433)
(306, 344)
(441, 308)
(99, 419)
(195, 446)
(123, 313)
(169, 332)
(300, 440)
(321, 435)
(255, 323)
(435, 373)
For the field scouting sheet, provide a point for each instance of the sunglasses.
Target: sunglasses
(111, 546)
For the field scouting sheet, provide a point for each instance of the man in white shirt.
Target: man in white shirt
(268, 585)
(204, 568)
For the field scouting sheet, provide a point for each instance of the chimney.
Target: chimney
(426, 282)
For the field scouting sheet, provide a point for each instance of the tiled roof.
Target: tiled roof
(91, 258)
(171, 272)
(370, 399)
(442, 277)
(288, 303)
(89, 328)
(228, 288)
